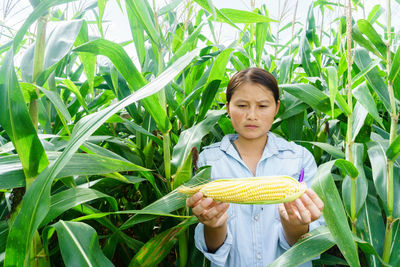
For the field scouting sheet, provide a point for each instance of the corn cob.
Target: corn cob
(254, 190)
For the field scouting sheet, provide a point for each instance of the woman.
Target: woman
(253, 235)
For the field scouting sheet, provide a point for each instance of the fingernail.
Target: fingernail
(301, 175)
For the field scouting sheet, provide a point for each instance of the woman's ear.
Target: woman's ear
(277, 107)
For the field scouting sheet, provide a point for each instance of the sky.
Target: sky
(117, 26)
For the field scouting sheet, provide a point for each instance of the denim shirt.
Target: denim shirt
(255, 235)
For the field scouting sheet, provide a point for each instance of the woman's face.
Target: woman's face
(252, 110)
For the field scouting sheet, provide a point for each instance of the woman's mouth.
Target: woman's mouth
(251, 126)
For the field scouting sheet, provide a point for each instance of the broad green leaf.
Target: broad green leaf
(242, 16)
(57, 102)
(393, 152)
(261, 36)
(367, 44)
(359, 78)
(334, 151)
(377, 157)
(313, 244)
(58, 45)
(137, 32)
(216, 75)
(361, 181)
(363, 60)
(366, 28)
(375, 13)
(70, 198)
(364, 97)
(88, 60)
(72, 87)
(79, 245)
(125, 66)
(160, 245)
(15, 119)
(35, 204)
(359, 115)
(133, 127)
(217, 14)
(139, 8)
(334, 214)
(395, 70)
(333, 86)
(369, 249)
(394, 255)
(192, 137)
(184, 172)
(285, 69)
(37, 13)
(371, 226)
(169, 203)
(310, 95)
(11, 174)
(101, 5)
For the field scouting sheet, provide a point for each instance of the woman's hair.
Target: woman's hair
(252, 75)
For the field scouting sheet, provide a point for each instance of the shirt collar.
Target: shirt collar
(272, 147)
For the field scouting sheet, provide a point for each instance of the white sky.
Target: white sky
(117, 28)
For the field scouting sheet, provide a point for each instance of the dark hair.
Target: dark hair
(252, 75)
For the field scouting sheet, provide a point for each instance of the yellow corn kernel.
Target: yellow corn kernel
(255, 190)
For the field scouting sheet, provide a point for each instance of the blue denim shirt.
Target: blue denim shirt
(255, 235)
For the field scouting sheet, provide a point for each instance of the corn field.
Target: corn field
(94, 142)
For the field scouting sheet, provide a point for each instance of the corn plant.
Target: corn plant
(92, 154)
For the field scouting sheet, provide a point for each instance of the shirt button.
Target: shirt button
(259, 256)
(256, 217)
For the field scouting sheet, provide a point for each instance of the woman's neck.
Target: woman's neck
(253, 147)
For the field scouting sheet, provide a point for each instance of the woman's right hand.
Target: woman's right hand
(209, 212)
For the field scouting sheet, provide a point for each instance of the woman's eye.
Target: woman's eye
(241, 106)
(263, 106)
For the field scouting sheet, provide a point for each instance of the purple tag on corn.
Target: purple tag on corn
(301, 175)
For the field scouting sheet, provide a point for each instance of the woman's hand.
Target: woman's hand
(210, 213)
(214, 217)
(298, 214)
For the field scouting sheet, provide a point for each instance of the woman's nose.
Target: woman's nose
(251, 113)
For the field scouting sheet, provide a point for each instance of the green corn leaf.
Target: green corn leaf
(79, 245)
(394, 256)
(361, 182)
(393, 152)
(367, 44)
(375, 13)
(184, 172)
(242, 16)
(125, 66)
(35, 204)
(141, 11)
(72, 87)
(169, 203)
(217, 14)
(160, 245)
(333, 86)
(192, 137)
(334, 151)
(364, 97)
(261, 36)
(37, 13)
(55, 99)
(313, 244)
(15, 119)
(311, 96)
(395, 70)
(366, 28)
(334, 214)
(371, 226)
(363, 60)
(70, 198)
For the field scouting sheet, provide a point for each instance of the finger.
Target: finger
(290, 209)
(202, 206)
(315, 198)
(282, 212)
(315, 212)
(193, 200)
(305, 215)
(214, 213)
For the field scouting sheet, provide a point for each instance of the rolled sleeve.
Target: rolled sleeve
(282, 239)
(220, 256)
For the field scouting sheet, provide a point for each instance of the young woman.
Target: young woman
(253, 235)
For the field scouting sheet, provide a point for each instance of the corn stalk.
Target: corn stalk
(393, 134)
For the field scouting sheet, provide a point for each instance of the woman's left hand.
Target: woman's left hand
(298, 214)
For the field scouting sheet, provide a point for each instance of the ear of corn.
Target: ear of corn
(254, 190)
